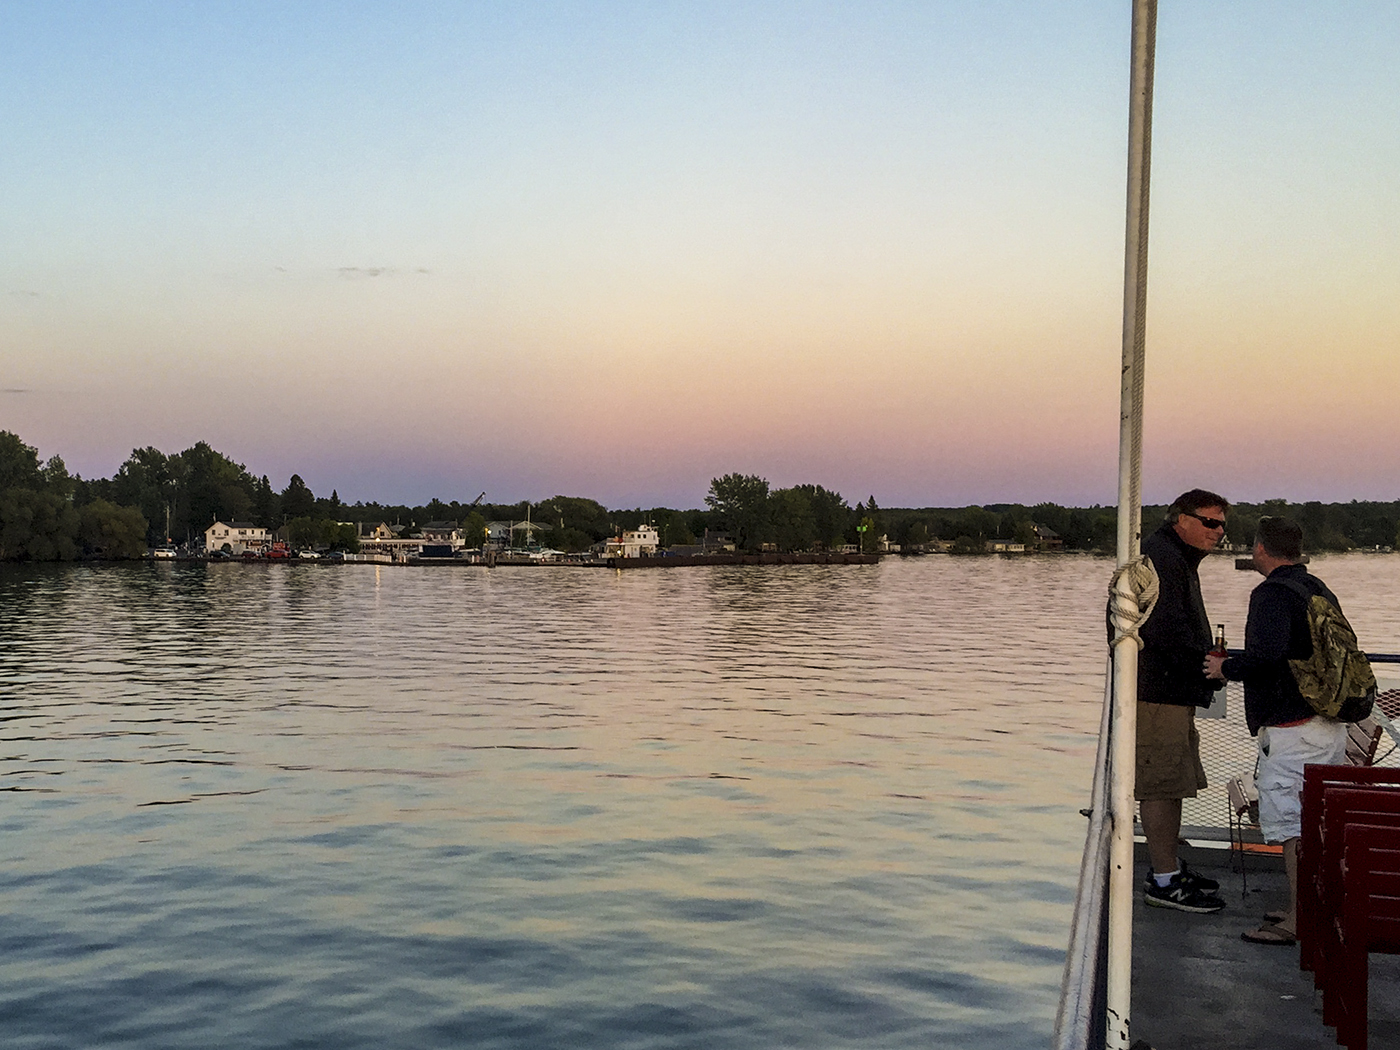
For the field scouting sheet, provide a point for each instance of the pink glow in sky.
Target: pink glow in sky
(617, 249)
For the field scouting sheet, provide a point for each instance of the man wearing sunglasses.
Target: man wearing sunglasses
(1171, 685)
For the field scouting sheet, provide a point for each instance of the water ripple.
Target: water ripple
(304, 806)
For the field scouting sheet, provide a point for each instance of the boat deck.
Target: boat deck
(1197, 986)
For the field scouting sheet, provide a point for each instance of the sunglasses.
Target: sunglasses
(1210, 523)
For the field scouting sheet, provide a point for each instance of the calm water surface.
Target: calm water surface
(310, 806)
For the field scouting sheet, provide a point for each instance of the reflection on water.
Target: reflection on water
(277, 806)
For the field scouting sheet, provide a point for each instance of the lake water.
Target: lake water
(381, 807)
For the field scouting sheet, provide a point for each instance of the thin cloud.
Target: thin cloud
(357, 272)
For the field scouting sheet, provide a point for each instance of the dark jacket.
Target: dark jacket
(1276, 632)
(1176, 637)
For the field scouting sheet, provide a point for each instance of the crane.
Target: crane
(472, 506)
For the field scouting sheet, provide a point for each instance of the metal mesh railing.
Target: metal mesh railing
(1227, 750)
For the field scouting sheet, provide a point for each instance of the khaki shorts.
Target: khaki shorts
(1168, 753)
(1283, 752)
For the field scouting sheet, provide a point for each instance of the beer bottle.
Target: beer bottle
(1220, 641)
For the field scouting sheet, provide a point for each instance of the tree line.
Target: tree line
(48, 514)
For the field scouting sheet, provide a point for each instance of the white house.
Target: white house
(635, 543)
(236, 537)
(381, 531)
(1005, 547)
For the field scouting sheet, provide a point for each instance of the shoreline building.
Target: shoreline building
(235, 537)
(382, 539)
(640, 542)
(443, 534)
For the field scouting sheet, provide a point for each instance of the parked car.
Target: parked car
(312, 555)
(162, 552)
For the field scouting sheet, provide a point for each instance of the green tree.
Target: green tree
(306, 532)
(579, 514)
(980, 522)
(793, 525)
(1024, 532)
(147, 481)
(210, 487)
(267, 505)
(37, 526)
(297, 499)
(347, 538)
(741, 500)
(1052, 515)
(474, 528)
(56, 478)
(571, 540)
(672, 526)
(109, 531)
(877, 523)
(19, 463)
(830, 514)
(915, 534)
(39, 520)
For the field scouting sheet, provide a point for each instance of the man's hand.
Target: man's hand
(1211, 667)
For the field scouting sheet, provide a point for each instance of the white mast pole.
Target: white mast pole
(1125, 656)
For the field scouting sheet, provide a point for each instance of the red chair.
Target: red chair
(1370, 922)
(1316, 780)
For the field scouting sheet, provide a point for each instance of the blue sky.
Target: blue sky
(618, 249)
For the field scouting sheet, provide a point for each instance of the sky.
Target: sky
(618, 249)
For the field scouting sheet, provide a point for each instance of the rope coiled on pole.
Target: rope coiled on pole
(1132, 595)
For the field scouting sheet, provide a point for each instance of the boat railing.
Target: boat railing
(1079, 1023)
(1227, 751)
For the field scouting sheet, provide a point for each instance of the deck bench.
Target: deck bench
(1317, 782)
(1369, 922)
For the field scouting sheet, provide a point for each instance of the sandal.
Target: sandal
(1269, 933)
(1273, 918)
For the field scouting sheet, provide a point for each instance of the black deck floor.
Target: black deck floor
(1197, 986)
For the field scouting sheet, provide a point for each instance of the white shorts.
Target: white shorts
(1283, 752)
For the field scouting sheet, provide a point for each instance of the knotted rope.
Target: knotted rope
(1132, 595)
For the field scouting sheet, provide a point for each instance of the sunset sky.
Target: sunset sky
(616, 249)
